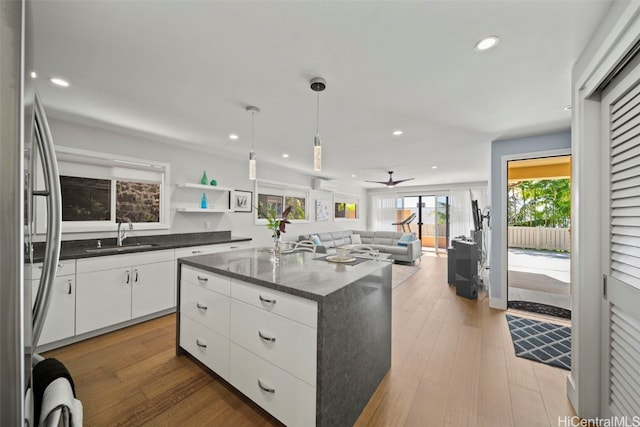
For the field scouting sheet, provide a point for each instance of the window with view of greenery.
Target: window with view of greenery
(346, 210)
(274, 198)
(85, 199)
(540, 203)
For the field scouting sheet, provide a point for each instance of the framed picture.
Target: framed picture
(242, 201)
(322, 210)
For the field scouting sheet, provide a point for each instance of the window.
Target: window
(98, 190)
(277, 197)
(345, 207)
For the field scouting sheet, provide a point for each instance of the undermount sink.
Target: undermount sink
(116, 249)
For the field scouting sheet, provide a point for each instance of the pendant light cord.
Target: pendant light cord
(253, 115)
(318, 114)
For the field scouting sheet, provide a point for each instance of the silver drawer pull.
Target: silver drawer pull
(200, 344)
(265, 337)
(266, 389)
(197, 252)
(266, 300)
(233, 247)
(201, 306)
(204, 279)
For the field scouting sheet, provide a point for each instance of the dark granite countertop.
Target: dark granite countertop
(296, 273)
(73, 249)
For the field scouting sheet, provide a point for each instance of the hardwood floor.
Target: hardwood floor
(453, 364)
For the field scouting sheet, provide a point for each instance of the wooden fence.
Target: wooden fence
(552, 239)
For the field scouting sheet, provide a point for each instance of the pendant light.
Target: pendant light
(318, 84)
(252, 154)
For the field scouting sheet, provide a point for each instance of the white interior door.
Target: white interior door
(620, 370)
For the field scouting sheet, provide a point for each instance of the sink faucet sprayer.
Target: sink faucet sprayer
(123, 234)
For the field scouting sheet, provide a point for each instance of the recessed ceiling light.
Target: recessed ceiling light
(397, 132)
(59, 82)
(285, 155)
(34, 75)
(353, 175)
(233, 136)
(434, 167)
(567, 108)
(487, 43)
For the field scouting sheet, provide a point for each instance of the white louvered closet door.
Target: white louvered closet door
(621, 310)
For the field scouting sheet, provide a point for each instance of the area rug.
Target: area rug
(541, 341)
(537, 307)
(400, 273)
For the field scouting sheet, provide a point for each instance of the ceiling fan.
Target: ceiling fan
(391, 183)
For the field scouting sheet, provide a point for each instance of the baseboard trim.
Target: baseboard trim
(572, 393)
(497, 303)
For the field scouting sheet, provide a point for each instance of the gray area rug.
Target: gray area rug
(400, 273)
(541, 341)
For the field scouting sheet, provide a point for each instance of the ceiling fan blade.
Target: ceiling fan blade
(378, 182)
(402, 180)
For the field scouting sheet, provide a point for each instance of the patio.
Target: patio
(540, 276)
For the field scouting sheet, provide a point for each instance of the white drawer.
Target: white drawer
(194, 250)
(209, 308)
(66, 267)
(285, 397)
(124, 260)
(287, 344)
(205, 345)
(290, 306)
(211, 281)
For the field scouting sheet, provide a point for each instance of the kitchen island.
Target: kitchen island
(306, 339)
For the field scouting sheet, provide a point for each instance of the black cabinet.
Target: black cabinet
(465, 254)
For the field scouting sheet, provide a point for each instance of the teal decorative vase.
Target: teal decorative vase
(204, 180)
(203, 201)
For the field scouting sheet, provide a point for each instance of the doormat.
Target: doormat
(541, 341)
(537, 307)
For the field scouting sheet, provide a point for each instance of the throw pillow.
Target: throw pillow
(405, 239)
(355, 239)
(316, 240)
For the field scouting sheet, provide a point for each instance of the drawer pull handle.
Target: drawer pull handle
(265, 388)
(204, 279)
(136, 276)
(70, 289)
(201, 306)
(197, 252)
(266, 300)
(200, 344)
(265, 337)
(128, 278)
(234, 247)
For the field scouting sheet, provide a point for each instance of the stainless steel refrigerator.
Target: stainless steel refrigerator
(24, 137)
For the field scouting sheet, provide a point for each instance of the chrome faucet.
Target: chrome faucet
(122, 234)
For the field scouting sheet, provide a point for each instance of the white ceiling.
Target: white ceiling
(186, 70)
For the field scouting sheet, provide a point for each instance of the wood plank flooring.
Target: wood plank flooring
(453, 364)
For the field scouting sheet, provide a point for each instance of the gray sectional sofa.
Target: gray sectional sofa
(384, 241)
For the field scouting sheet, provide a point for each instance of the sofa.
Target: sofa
(403, 247)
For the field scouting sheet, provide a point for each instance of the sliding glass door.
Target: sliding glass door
(432, 219)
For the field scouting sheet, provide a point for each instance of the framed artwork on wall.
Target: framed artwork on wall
(322, 210)
(241, 201)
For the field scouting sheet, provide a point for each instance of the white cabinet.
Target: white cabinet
(188, 200)
(59, 323)
(152, 288)
(114, 289)
(264, 342)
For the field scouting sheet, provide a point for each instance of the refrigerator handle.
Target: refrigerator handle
(42, 137)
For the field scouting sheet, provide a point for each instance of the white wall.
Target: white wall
(511, 149)
(187, 166)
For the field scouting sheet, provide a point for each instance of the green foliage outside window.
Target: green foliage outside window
(540, 203)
